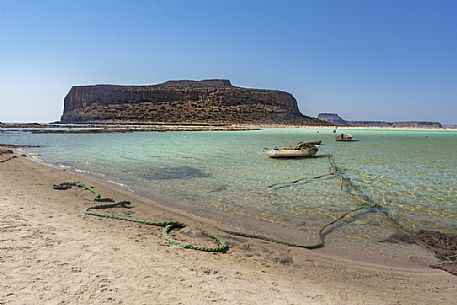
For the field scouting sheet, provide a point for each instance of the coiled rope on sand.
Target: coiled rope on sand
(168, 226)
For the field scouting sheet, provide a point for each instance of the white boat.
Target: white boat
(345, 137)
(301, 150)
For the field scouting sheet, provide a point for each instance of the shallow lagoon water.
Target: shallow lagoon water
(411, 173)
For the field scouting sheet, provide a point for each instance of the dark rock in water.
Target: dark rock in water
(178, 172)
(450, 267)
(208, 101)
(438, 239)
(444, 246)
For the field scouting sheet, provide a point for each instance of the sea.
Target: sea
(410, 174)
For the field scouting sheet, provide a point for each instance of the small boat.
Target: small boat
(344, 137)
(302, 149)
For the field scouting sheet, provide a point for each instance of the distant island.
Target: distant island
(214, 101)
(335, 119)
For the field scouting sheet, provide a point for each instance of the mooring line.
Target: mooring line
(9, 159)
(354, 191)
(168, 226)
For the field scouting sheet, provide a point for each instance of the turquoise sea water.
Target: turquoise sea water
(412, 173)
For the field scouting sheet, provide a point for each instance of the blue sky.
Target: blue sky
(375, 60)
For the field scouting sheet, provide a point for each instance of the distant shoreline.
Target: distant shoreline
(45, 128)
(385, 128)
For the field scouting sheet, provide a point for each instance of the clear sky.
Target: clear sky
(374, 60)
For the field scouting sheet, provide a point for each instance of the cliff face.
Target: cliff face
(208, 101)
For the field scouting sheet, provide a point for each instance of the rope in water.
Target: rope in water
(317, 245)
(168, 226)
(352, 190)
(300, 181)
(334, 171)
(356, 193)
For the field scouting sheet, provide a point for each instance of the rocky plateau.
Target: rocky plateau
(186, 102)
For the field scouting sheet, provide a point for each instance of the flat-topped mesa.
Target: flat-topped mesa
(214, 101)
(335, 119)
(331, 118)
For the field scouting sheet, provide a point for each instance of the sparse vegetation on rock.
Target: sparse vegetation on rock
(207, 101)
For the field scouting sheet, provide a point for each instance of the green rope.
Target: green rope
(168, 226)
(9, 159)
(222, 245)
(334, 171)
(321, 233)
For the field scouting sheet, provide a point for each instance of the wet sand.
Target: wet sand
(52, 253)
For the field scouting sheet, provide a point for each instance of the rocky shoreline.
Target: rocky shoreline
(116, 128)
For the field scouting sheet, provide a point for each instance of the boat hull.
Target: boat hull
(291, 153)
(344, 137)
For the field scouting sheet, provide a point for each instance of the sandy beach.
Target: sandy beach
(52, 253)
